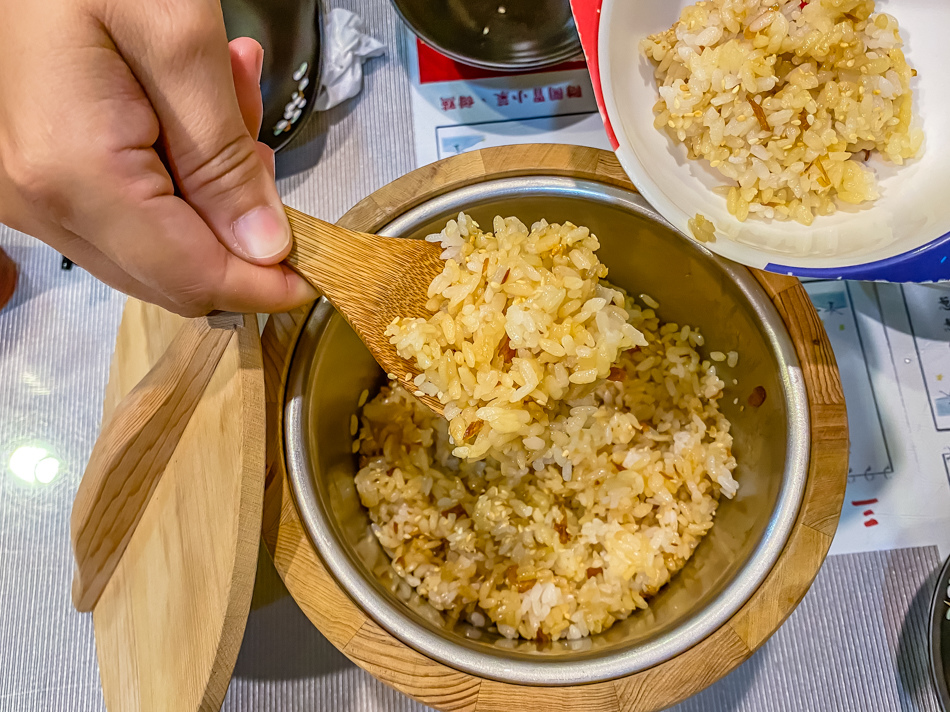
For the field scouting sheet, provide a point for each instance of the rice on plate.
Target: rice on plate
(787, 100)
(583, 452)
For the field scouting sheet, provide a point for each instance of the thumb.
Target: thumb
(187, 74)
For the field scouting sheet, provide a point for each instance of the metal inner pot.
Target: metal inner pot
(331, 367)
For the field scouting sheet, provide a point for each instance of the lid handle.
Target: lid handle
(134, 448)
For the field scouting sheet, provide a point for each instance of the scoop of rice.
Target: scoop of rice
(787, 100)
(521, 321)
(582, 515)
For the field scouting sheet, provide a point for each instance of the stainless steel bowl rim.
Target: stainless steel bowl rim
(392, 616)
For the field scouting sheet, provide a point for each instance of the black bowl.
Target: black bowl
(291, 33)
(502, 35)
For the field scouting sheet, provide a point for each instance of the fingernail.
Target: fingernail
(260, 64)
(304, 293)
(261, 233)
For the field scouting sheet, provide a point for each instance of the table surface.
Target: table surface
(857, 641)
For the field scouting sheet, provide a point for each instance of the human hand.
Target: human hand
(126, 143)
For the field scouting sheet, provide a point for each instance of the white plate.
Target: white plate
(914, 207)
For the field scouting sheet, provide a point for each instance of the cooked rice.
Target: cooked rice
(521, 321)
(786, 100)
(701, 228)
(570, 521)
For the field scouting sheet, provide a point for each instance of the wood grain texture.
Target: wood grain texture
(170, 621)
(321, 599)
(496, 696)
(282, 330)
(675, 680)
(813, 347)
(775, 284)
(423, 679)
(374, 649)
(144, 335)
(375, 211)
(132, 450)
(828, 416)
(371, 280)
(781, 592)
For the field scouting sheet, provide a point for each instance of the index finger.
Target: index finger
(178, 51)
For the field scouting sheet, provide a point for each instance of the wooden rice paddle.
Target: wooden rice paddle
(371, 280)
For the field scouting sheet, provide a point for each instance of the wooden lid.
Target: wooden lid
(170, 621)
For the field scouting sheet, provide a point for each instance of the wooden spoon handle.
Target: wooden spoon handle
(134, 448)
(330, 257)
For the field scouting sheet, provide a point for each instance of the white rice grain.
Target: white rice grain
(786, 101)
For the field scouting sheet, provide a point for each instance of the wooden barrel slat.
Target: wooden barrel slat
(426, 680)
(674, 681)
(503, 697)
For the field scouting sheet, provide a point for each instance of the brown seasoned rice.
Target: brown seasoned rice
(521, 320)
(568, 522)
(786, 100)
